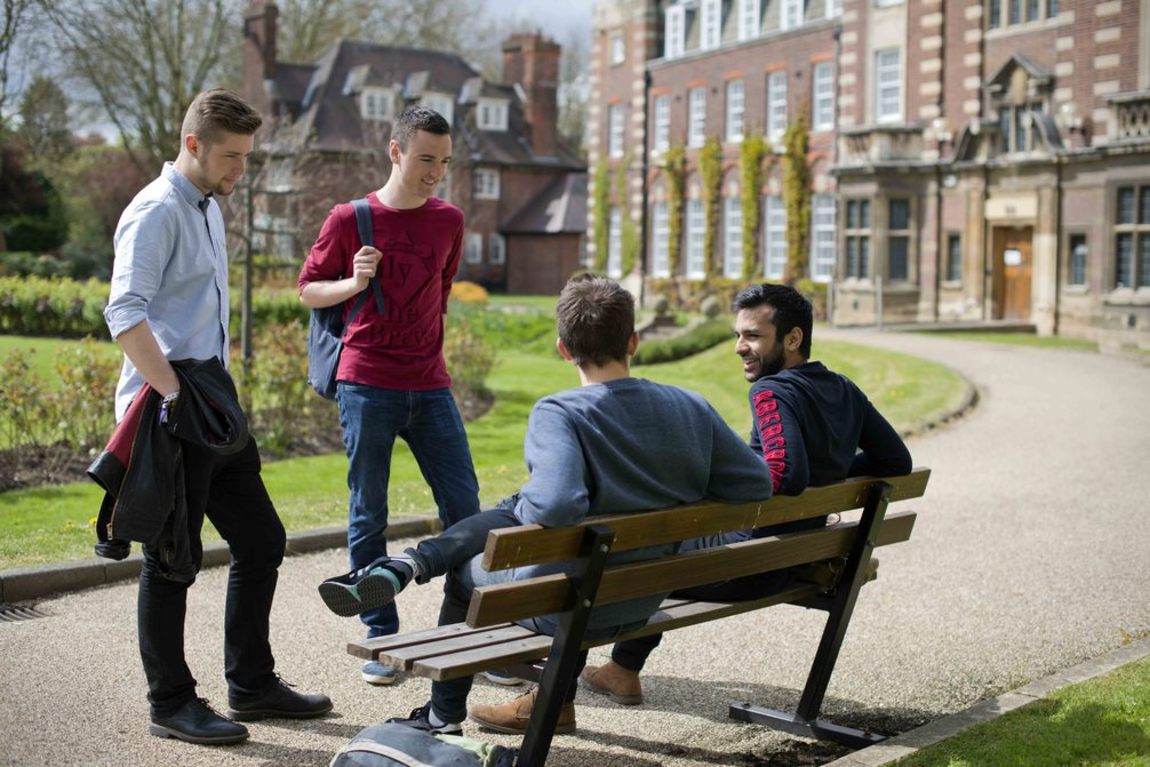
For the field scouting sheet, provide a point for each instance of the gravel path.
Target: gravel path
(1012, 573)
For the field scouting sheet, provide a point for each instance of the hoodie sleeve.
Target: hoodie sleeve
(882, 453)
(556, 494)
(780, 440)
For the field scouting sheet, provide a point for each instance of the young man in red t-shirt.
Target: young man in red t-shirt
(392, 378)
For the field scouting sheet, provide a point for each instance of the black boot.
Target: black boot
(278, 701)
(197, 722)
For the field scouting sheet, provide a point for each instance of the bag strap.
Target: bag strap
(363, 223)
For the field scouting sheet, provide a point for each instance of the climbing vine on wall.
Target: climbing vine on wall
(601, 205)
(797, 198)
(629, 232)
(674, 162)
(751, 154)
(711, 170)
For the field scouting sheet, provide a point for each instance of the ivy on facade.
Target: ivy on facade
(797, 198)
(601, 213)
(711, 171)
(674, 165)
(751, 154)
(629, 232)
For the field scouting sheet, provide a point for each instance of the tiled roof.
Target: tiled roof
(561, 208)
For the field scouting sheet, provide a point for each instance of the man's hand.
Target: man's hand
(363, 265)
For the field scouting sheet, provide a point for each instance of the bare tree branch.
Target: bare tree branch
(13, 17)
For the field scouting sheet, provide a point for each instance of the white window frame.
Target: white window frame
(674, 32)
(615, 128)
(823, 97)
(733, 234)
(885, 3)
(696, 232)
(736, 101)
(377, 104)
(696, 117)
(473, 248)
(792, 14)
(711, 24)
(823, 237)
(834, 9)
(615, 243)
(491, 114)
(485, 184)
(776, 104)
(497, 247)
(660, 240)
(749, 15)
(775, 237)
(888, 104)
(442, 103)
(618, 48)
(662, 139)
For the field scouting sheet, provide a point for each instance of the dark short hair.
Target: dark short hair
(418, 118)
(218, 111)
(792, 310)
(596, 319)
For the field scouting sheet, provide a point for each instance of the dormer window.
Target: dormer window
(748, 19)
(712, 17)
(792, 14)
(440, 102)
(674, 31)
(1016, 129)
(491, 114)
(376, 104)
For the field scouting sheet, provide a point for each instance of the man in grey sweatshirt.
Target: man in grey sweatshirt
(614, 444)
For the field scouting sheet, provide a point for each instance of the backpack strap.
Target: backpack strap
(363, 222)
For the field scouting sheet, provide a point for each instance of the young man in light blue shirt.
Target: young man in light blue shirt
(169, 301)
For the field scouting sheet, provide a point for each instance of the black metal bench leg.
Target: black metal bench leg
(561, 661)
(805, 720)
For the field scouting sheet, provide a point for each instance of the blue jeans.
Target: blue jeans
(429, 423)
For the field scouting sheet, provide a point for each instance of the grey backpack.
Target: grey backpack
(395, 745)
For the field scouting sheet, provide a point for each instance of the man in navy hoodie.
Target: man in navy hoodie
(810, 425)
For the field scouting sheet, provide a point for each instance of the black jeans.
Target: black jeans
(229, 491)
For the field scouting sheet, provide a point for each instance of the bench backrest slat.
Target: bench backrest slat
(533, 545)
(550, 593)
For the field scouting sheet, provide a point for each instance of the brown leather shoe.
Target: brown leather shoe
(514, 716)
(611, 679)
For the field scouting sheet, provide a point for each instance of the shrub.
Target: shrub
(41, 306)
(469, 357)
(468, 293)
(697, 339)
(816, 293)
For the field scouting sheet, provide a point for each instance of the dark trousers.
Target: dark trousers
(229, 491)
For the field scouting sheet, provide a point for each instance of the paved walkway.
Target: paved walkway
(1029, 556)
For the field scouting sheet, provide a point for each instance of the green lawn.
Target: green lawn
(52, 524)
(43, 352)
(1104, 721)
(1018, 339)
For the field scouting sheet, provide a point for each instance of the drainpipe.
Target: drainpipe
(644, 164)
(1058, 241)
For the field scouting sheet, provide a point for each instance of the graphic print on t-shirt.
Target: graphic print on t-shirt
(405, 274)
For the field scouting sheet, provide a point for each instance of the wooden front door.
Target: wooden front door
(1012, 257)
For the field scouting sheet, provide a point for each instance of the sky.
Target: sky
(555, 17)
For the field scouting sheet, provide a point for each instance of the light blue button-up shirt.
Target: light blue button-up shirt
(171, 269)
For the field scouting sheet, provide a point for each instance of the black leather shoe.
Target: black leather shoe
(278, 701)
(197, 722)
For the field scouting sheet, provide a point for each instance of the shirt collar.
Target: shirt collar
(186, 188)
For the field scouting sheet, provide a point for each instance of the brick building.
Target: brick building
(970, 159)
(521, 188)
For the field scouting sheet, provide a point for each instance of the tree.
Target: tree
(44, 121)
(574, 92)
(147, 62)
(10, 26)
(32, 215)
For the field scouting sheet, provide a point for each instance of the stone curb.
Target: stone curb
(902, 746)
(26, 583)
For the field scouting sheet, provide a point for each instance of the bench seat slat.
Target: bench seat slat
(532, 544)
(549, 594)
(369, 649)
(406, 657)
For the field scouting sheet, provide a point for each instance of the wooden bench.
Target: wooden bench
(833, 562)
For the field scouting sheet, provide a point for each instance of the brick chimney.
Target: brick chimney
(260, 54)
(532, 61)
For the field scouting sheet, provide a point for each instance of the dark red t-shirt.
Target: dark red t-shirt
(402, 350)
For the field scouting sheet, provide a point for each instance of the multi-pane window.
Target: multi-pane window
(1004, 13)
(834, 9)
(748, 19)
(662, 138)
(440, 102)
(1132, 238)
(696, 117)
(497, 247)
(822, 237)
(473, 248)
(376, 104)
(858, 239)
(660, 241)
(696, 226)
(615, 129)
(618, 48)
(954, 257)
(733, 235)
(775, 239)
(735, 110)
(1016, 132)
(823, 101)
(492, 114)
(712, 23)
(898, 240)
(674, 28)
(776, 104)
(888, 85)
(615, 243)
(792, 14)
(485, 184)
(1076, 268)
